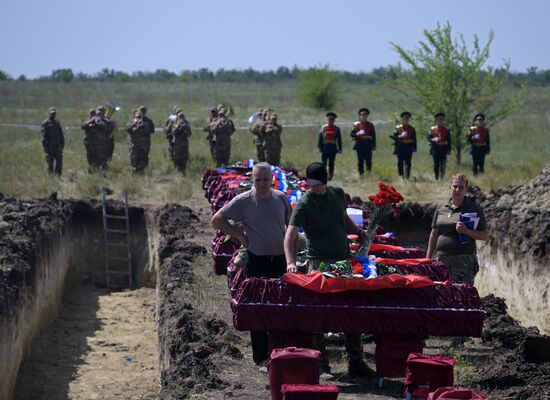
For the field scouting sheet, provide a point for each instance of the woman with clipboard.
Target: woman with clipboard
(455, 228)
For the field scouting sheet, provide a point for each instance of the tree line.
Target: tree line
(381, 75)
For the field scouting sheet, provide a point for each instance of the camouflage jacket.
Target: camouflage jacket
(272, 135)
(52, 134)
(221, 128)
(181, 131)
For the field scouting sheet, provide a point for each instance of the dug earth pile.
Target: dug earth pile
(514, 264)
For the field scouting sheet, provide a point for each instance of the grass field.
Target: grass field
(519, 144)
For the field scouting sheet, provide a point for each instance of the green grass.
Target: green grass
(520, 143)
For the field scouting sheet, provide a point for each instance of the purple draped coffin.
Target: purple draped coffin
(267, 304)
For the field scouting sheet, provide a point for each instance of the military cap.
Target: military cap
(405, 114)
(363, 110)
(331, 114)
(439, 114)
(274, 116)
(480, 115)
(213, 109)
(52, 110)
(177, 110)
(91, 111)
(143, 109)
(101, 109)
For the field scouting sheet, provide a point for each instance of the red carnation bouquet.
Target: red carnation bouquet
(383, 203)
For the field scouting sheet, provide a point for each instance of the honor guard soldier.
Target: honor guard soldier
(440, 144)
(480, 142)
(364, 135)
(404, 144)
(329, 143)
(139, 141)
(53, 142)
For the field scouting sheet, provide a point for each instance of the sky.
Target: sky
(39, 36)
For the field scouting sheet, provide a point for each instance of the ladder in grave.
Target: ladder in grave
(116, 235)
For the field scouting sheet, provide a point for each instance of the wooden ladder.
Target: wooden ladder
(117, 261)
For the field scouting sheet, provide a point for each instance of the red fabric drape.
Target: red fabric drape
(317, 282)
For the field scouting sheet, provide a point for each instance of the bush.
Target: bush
(318, 88)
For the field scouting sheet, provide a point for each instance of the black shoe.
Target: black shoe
(360, 370)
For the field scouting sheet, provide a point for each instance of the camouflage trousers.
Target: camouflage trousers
(54, 158)
(353, 343)
(463, 268)
(96, 154)
(180, 157)
(272, 155)
(139, 154)
(222, 152)
(260, 154)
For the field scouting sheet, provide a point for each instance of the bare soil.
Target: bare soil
(103, 345)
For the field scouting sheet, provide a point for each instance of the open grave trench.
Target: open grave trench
(52, 282)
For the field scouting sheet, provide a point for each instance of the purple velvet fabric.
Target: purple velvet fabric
(263, 304)
(409, 252)
(437, 270)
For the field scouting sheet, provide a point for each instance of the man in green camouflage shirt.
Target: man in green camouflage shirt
(53, 142)
(257, 129)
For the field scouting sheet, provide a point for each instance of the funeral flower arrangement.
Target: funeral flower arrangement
(383, 203)
(361, 265)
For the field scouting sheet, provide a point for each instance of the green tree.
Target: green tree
(63, 75)
(318, 87)
(4, 76)
(447, 76)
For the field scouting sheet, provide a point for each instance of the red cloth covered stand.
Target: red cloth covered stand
(310, 392)
(392, 352)
(292, 365)
(427, 373)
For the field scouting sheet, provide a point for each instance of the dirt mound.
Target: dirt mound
(521, 369)
(24, 225)
(526, 208)
(192, 344)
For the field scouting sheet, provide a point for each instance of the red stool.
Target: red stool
(310, 392)
(426, 373)
(292, 365)
(456, 393)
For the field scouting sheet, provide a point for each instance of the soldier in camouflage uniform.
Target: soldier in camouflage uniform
(168, 130)
(53, 142)
(206, 128)
(95, 141)
(139, 141)
(272, 141)
(181, 131)
(108, 130)
(221, 130)
(148, 121)
(258, 129)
